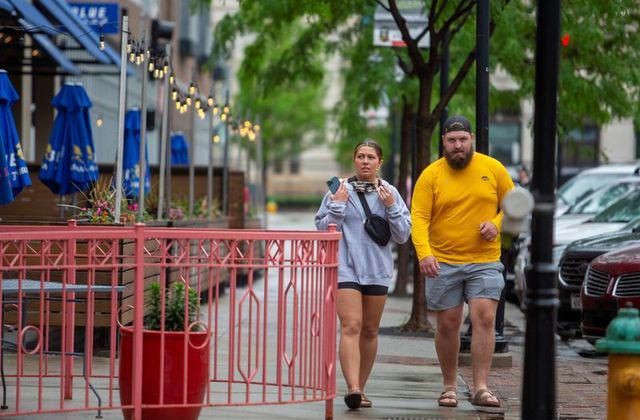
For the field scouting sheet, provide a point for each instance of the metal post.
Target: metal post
(482, 76)
(164, 139)
(210, 167)
(192, 166)
(539, 389)
(261, 174)
(225, 164)
(444, 85)
(121, 105)
(143, 138)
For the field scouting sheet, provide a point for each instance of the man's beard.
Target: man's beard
(457, 161)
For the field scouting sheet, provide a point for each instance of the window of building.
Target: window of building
(277, 166)
(580, 147)
(294, 165)
(504, 141)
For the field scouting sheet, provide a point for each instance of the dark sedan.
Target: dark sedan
(573, 266)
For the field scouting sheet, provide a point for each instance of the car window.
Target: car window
(625, 209)
(580, 186)
(599, 199)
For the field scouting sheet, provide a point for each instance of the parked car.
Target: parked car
(573, 266)
(597, 201)
(612, 280)
(612, 219)
(590, 180)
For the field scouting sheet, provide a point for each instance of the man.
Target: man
(456, 233)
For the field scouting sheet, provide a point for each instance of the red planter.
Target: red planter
(197, 372)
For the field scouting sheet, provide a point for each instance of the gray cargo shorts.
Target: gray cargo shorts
(456, 282)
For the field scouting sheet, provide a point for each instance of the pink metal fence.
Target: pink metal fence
(76, 300)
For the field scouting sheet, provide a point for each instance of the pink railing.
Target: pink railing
(75, 302)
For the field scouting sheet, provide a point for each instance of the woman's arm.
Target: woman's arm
(399, 218)
(330, 212)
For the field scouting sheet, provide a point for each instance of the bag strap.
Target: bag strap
(365, 205)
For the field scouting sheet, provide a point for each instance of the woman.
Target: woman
(365, 268)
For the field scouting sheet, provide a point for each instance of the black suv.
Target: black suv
(573, 266)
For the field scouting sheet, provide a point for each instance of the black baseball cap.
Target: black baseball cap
(457, 123)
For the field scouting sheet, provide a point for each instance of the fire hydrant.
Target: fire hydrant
(622, 342)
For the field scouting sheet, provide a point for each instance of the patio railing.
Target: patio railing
(267, 338)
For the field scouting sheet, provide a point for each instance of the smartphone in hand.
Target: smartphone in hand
(333, 184)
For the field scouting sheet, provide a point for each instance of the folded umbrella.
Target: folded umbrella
(179, 149)
(131, 161)
(14, 158)
(69, 164)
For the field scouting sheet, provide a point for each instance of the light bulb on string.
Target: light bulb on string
(225, 109)
(256, 127)
(165, 68)
(172, 79)
(216, 110)
(178, 105)
(247, 123)
(192, 89)
(223, 117)
(216, 138)
(148, 53)
(101, 43)
(174, 94)
(198, 103)
(129, 45)
(152, 66)
(189, 100)
(252, 135)
(210, 101)
(160, 74)
(156, 73)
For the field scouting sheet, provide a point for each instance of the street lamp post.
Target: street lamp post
(165, 155)
(143, 139)
(121, 105)
(539, 381)
(210, 165)
(225, 158)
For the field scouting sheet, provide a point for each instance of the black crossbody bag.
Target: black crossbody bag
(376, 226)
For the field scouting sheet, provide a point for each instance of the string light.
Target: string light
(152, 66)
(256, 127)
(216, 139)
(101, 45)
(160, 74)
(210, 101)
(99, 121)
(174, 94)
(189, 100)
(198, 104)
(178, 105)
(192, 89)
(252, 135)
(223, 117)
(172, 79)
(129, 45)
(156, 73)
(247, 123)
(225, 110)
(216, 110)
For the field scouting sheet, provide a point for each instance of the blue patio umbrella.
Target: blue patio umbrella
(18, 171)
(69, 165)
(131, 161)
(179, 149)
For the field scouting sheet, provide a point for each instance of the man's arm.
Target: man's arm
(504, 185)
(421, 205)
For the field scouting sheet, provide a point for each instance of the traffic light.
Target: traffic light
(161, 34)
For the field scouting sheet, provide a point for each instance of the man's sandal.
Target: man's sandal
(448, 398)
(366, 402)
(353, 399)
(485, 398)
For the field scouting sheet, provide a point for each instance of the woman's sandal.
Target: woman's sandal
(366, 402)
(485, 398)
(448, 398)
(353, 399)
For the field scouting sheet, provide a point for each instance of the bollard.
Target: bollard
(622, 342)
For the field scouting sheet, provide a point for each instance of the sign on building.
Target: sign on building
(101, 17)
(386, 32)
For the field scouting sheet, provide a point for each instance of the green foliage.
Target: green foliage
(174, 307)
(599, 79)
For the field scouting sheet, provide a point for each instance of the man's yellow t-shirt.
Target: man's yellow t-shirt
(448, 206)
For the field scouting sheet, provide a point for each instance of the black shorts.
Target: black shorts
(365, 289)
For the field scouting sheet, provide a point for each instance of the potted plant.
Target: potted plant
(176, 340)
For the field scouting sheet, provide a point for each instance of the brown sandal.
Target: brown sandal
(483, 398)
(366, 402)
(353, 399)
(446, 397)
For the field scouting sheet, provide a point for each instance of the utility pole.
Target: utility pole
(539, 380)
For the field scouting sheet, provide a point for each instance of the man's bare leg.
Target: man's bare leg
(483, 319)
(448, 344)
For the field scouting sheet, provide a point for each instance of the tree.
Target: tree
(599, 79)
